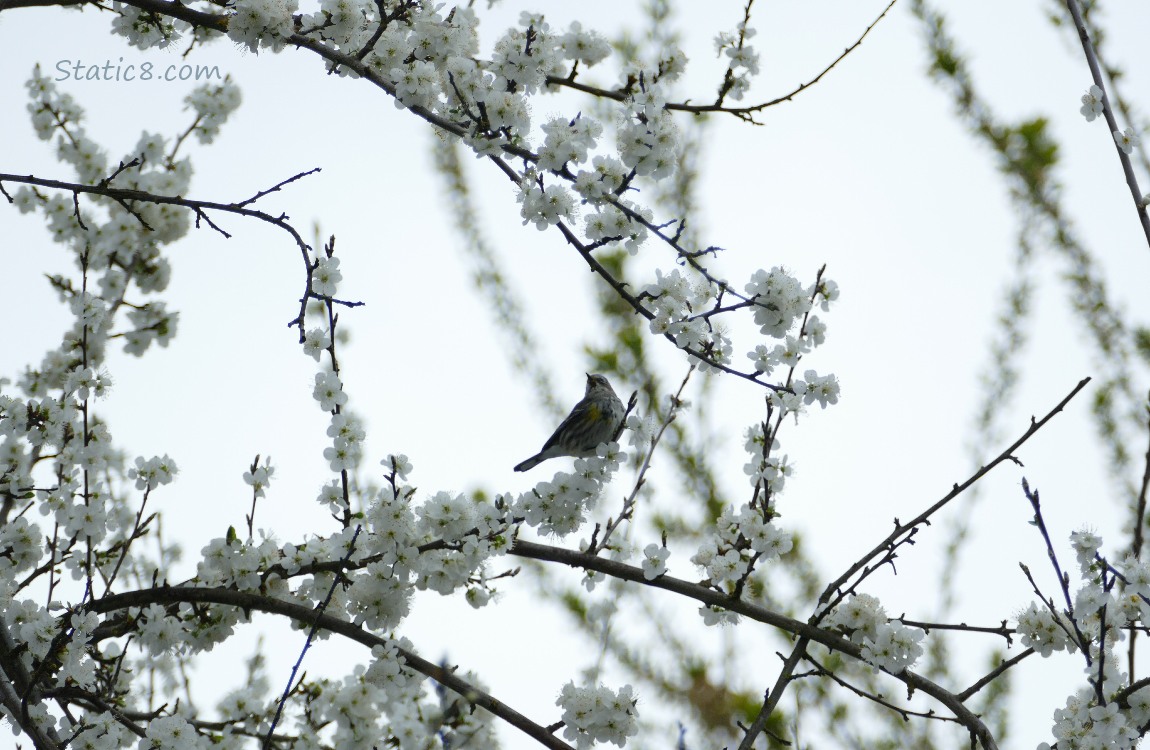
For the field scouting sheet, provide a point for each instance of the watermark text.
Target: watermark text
(78, 70)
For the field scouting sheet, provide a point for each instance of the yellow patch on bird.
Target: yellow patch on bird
(594, 412)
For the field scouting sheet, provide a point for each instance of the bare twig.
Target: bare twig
(901, 530)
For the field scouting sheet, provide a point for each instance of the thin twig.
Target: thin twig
(903, 529)
(307, 643)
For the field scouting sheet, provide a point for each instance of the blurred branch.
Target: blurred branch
(523, 349)
(1026, 155)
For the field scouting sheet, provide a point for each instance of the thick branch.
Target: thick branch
(710, 596)
(300, 613)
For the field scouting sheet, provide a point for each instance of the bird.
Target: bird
(594, 420)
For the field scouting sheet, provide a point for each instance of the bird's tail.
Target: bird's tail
(531, 463)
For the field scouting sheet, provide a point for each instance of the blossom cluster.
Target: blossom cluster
(1083, 723)
(558, 506)
(742, 540)
(675, 297)
(153, 472)
(598, 714)
(544, 206)
(765, 471)
(1110, 601)
(472, 534)
(780, 301)
(213, 105)
(680, 301)
(101, 731)
(347, 434)
(885, 643)
(262, 24)
(1043, 631)
(259, 477)
(145, 29)
(388, 703)
(744, 60)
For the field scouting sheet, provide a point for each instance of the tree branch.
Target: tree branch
(307, 616)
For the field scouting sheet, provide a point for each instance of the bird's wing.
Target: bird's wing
(586, 411)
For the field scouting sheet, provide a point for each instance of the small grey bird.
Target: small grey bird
(594, 420)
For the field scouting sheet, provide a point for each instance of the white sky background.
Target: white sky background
(867, 172)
